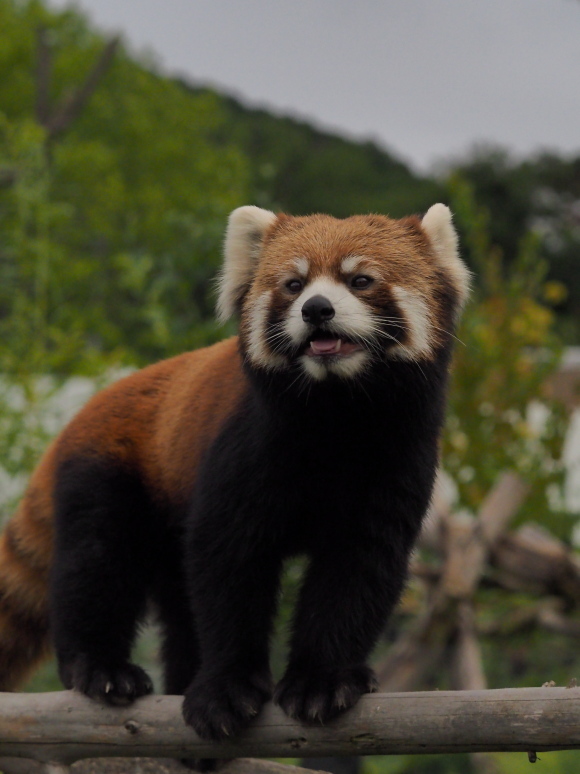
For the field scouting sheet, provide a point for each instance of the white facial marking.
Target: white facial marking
(350, 366)
(350, 263)
(313, 368)
(302, 266)
(417, 318)
(346, 367)
(258, 351)
(352, 317)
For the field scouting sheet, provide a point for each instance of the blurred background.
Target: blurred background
(128, 131)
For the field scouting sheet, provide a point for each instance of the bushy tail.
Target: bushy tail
(25, 552)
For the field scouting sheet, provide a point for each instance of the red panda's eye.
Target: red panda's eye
(294, 286)
(360, 282)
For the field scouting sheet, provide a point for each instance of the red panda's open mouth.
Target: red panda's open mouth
(330, 346)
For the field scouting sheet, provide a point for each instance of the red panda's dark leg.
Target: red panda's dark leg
(233, 585)
(103, 558)
(180, 648)
(343, 606)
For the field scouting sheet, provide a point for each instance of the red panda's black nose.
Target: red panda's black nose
(317, 310)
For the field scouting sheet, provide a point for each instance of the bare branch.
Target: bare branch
(43, 75)
(64, 727)
(467, 663)
(71, 106)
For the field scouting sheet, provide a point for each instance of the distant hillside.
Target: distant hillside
(301, 169)
(121, 213)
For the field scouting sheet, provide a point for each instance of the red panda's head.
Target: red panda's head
(336, 296)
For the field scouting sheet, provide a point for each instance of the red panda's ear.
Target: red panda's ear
(244, 236)
(438, 225)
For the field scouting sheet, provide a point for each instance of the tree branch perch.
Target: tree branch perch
(64, 727)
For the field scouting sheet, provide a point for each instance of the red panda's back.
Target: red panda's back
(157, 422)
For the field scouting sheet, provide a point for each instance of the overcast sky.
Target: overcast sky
(425, 78)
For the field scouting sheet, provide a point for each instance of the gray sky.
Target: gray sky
(425, 78)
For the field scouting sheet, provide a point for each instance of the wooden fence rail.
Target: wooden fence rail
(63, 727)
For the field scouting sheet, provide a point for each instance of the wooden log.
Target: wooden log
(466, 543)
(64, 727)
(466, 554)
(551, 619)
(73, 104)
(501, 505)
(467, 672)
(532, 559)
(529, 559)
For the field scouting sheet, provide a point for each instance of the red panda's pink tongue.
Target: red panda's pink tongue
(325, 346)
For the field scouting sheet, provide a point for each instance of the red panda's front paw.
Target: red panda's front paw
(119, 685)
(320, 695)
(222, 707)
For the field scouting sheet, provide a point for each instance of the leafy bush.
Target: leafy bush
(501, 416)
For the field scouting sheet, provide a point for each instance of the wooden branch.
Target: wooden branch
(467, 663)
(466, 543)
(501, 505)
(64, 727)
(466, 553)
(552, 620)
(531, 559)
(43, 75)
(58, 120)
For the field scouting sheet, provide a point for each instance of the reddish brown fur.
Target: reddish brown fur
(159, 420)
(325, 241)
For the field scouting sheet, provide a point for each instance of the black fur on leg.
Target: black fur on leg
(103, 557)
(232, 585)
(180, 646)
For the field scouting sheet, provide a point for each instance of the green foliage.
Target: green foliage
(33, 262)
(128, 205)
(29, 258)
(540, 195)
(500, 763)
(111, 232)
(299, 169)
(500, 416)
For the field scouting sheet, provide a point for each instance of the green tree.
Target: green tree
(539, 195)
(142, 184)
(300, 169)
(501, 416)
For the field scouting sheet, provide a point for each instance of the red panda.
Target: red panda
(186, 485)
